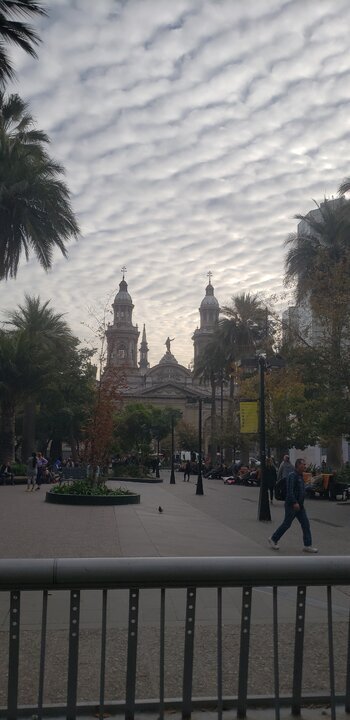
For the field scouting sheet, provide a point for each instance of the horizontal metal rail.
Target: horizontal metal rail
(191, 574)
(172, 572)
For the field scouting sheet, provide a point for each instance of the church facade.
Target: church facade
(168, 383)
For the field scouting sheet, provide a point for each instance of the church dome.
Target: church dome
(209, 300)
(123, 296)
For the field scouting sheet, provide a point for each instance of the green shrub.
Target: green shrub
(343, 476)
(19, 468)
(129, 470)
(82, 487)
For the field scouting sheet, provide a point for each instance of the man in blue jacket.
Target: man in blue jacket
(294, 508)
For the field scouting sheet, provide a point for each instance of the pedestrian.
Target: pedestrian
(6, 474)
(32, 471)
(187, 471)
(271, 477)
(294, 508)
(285, 468)
(41, 466)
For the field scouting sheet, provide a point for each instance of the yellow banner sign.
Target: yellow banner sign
(248, 415)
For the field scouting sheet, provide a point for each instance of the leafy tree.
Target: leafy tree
(11, 361)
(48, 341)
(35, 210)
(291, 413)
(16, 31)
(133, 429)
(187, 436)
(67, 403)
(318, 262)
(100, 425)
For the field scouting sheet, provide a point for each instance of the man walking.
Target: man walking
(294, 508)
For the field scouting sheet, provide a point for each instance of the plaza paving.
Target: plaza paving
(223, 522)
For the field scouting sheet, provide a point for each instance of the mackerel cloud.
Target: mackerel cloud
(191, 132)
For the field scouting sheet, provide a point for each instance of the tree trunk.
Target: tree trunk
(73, 447)
(28, 438)
(334, 453)
(7, 431)
(56, 449)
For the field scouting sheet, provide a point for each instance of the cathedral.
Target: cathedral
(167, 384)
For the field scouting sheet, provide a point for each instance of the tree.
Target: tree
(11, 359)
(344, 187)
(291, 413)
(100, 425)
(318, 262)
(67, 403)
(187, 436)
(35, 210)
(133, 429)
(48, 341)
(245, 328)
(210, 368)
(17, 32)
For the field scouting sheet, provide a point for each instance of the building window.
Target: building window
(121, 353)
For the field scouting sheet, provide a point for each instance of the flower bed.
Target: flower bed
(82, 492)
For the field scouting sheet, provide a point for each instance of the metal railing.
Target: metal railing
(246, 576)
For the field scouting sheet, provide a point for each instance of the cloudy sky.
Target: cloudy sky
(191, 131)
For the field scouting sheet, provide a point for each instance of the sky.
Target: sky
(192, 132)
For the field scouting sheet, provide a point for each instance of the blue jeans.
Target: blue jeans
(290, 515)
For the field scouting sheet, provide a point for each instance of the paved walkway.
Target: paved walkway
(223, 522)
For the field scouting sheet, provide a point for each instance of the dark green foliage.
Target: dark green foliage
(83, 487)
(16, 32)
(35, 210)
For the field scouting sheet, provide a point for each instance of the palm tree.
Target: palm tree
(16, 32)
(10, 358)
(318, 260)
(344, 187)
(48, 341)
(318, 247)
(244, 330)
(35, 210)
(244, 327)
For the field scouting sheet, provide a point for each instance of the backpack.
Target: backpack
(281, 489)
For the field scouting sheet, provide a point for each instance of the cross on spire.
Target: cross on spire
(210, 275)
(124, 271)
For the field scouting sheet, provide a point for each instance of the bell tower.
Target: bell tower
(209, 317)
(122, 336)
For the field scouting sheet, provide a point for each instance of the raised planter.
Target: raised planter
(136, 479)
(60, 499)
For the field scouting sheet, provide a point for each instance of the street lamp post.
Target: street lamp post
(274, 362)
(157, 467)
(172, 473)
(199, 488)
(264, 513)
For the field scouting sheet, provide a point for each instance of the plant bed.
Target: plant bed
(82, 493)
(136, 479)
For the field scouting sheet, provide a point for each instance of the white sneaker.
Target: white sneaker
(310, 549)
(273, 544)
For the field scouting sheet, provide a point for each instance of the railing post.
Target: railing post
(12, 692)
(188, 658)
(244, 652)
(132, 655)
(298, 650)
(73, 654)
